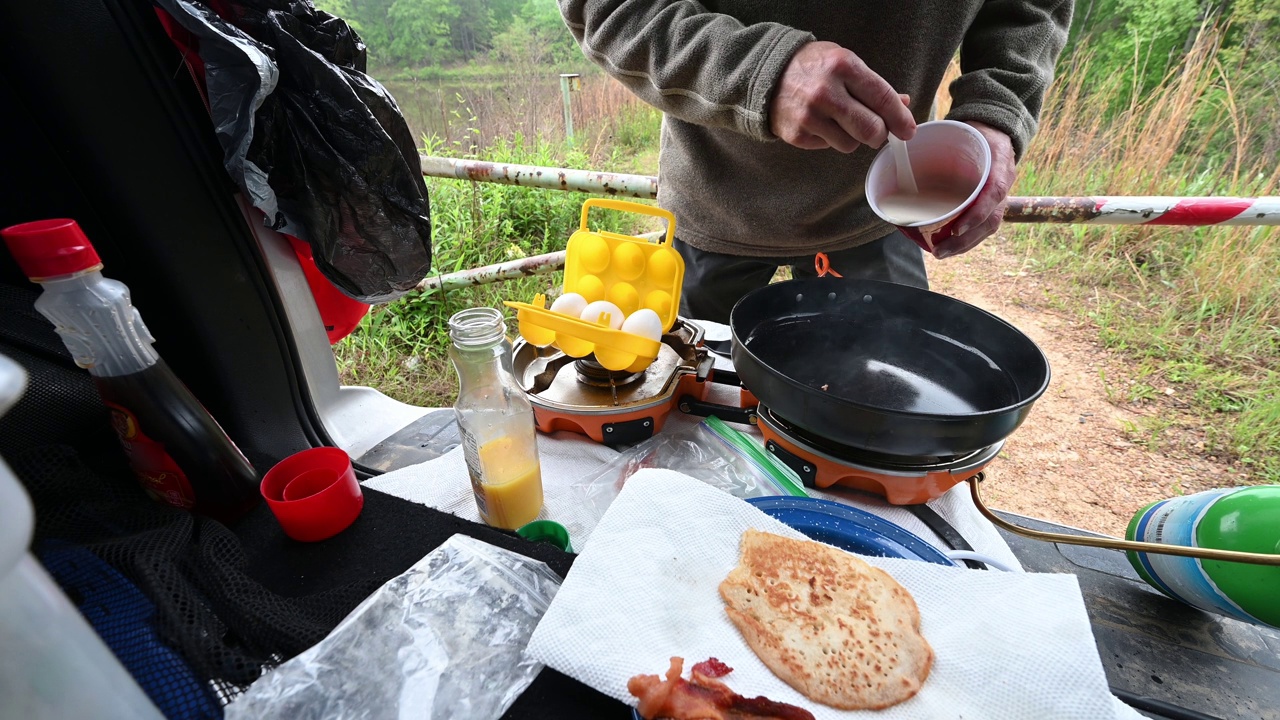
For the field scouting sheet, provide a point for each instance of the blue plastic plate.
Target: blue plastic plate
(849, 528)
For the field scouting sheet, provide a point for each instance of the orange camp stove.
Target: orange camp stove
(622, 408)
(821, 464)
(614, 407)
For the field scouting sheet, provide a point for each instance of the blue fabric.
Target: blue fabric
(124, 619)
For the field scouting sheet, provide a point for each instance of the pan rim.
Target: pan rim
(739, 344)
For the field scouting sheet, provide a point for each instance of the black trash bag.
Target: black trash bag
(317, 145)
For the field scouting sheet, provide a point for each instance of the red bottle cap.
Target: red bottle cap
(48, 248)
(314, 494)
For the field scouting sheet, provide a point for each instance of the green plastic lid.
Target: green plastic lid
(547, 531)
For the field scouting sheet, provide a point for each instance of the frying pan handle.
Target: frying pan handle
(625, 206)
(1110, 543)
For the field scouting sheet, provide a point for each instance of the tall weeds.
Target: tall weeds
(465, 113)
(1200, 305)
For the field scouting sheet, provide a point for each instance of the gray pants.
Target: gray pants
(713, 283)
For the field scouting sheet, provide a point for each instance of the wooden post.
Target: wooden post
(568, 83)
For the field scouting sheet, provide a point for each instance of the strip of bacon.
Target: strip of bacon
(712, 668)
(704, 697)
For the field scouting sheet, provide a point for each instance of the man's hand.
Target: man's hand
(829, 98)
(983, 217)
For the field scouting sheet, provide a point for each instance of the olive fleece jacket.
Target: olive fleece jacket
(713, 68)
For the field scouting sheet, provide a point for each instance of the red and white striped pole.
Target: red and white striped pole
(1138, 210)
(1090, 210)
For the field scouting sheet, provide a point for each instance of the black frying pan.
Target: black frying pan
(885, 368)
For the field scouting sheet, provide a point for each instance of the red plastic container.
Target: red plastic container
(314, 494)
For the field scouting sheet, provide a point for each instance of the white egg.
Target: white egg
(569, 304)
(592, 313)
(644, 323)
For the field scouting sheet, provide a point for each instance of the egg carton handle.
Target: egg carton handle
(631, 207)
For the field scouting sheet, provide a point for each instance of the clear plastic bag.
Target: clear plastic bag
(710, 451)
(445, 639)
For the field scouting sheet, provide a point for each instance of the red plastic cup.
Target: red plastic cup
(314, 494)
(943, 152)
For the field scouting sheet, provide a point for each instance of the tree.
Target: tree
(420, 31)
(537, 34)
(436, 32)
(369, 17)
(1148, 40)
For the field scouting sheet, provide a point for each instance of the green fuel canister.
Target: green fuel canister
(1245, 519)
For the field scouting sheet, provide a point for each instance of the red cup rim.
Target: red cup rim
(322, 512)
(278, 477)
(943, 219)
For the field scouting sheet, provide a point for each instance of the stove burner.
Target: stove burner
(865, 458)
(821, 463)
(580, 395)
(593, 373)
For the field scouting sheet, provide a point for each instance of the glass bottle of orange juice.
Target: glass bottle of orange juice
(495, 421)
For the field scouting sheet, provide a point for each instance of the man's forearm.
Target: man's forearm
(702, 67)
(1007, 63)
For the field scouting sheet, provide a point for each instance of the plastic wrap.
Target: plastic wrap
(710, 451)
(318, 146)
(445, 639)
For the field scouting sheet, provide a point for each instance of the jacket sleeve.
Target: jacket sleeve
(1006, 64)
(702, 67)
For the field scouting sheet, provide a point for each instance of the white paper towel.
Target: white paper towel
(1008, 645)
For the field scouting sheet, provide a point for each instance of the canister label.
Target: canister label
(1174, 522)
(157, 471)
(471, 453)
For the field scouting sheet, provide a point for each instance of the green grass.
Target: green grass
(401, 347)
(636, 133)
(1194, 310)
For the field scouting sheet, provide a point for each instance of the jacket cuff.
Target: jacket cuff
(1017, 124)
(783, 44)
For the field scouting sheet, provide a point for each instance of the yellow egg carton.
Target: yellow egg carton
(630, 272)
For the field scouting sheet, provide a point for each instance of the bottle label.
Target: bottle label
(1174, 522)
(157, 471)
(471, 452)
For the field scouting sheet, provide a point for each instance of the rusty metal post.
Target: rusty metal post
(1141, 210)
(548, 178)
(510, 270)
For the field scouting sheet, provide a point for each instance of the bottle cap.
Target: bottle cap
(49, 248)
(547, 531)
(314, 494)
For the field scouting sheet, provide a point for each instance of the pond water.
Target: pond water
(458, 113)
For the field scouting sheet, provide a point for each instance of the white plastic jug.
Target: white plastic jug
(52, 663)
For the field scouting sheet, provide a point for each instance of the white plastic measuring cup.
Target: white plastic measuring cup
(943, 153)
